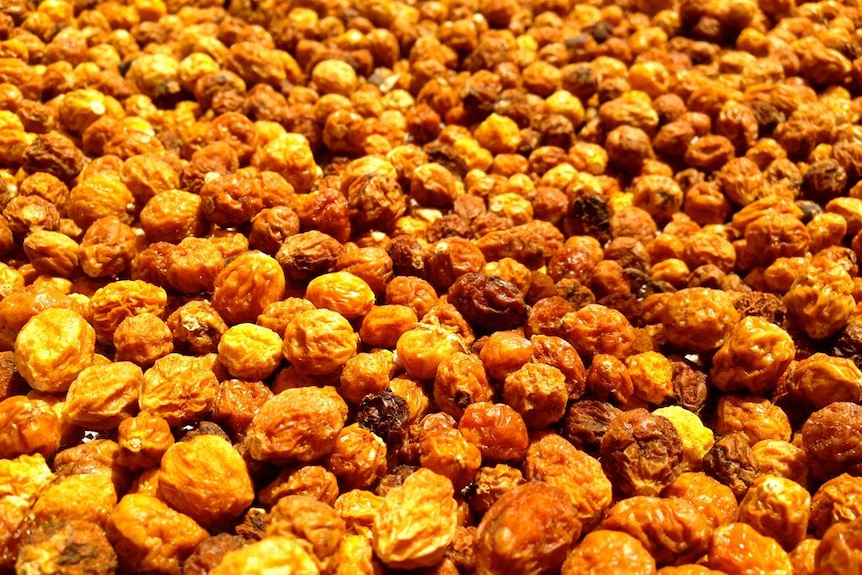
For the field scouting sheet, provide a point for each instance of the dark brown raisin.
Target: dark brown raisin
(270, 227)
(309, 254)
(586, 423)
(488, 302)
(641, 453)
(824, 180)
(732, 462)
(55, 154)
(589, 216)
(690, 389)
(384, 414)
(766, 305)
(408, 256)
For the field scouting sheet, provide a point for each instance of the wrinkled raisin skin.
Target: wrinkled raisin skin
(489, 303)
(385, 414)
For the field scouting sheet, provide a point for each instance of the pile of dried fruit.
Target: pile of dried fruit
(447, 286)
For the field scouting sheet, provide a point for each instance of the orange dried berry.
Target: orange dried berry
(753, 357)
(237, 402)
(538, 391)
(358, 459)
(821, 300)
(27, 427)
(319, 342)
(528, 530)
(422, 349)
(313, 522)
(496, 429)
(597, 329)
(179, 388)
(699, 319)
(341, 292)
(137, 521)
(712, 498)
(142, 339)
(297, 425)
(604, 551)
(553, 460)
(207, 479)
(672, 529)
(246, 285)
(142, 441)
(365, 374)
(116, 301)
(384, 324)
(104, 395)
(652, 376)
(279, 552)
(460, 381)
(777, 507)
(739, 548)
(447, 452)
(84, 496)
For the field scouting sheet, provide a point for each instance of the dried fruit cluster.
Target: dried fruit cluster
(445, 286)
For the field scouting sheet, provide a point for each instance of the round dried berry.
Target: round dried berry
(641, 453)
(385, 414)
(488, 302)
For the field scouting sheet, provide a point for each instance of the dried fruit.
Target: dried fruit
(53, 348)
(297, 425)
(277, 552)
(528, 530)
(488, 302)
(207, 479)
(139, 519)
(641, 453)
(319, 341)
(603, 551)
(416, 521)
(75, 546)
(552, 460)
(832, 441)
(777, 507)
(672, 529)
(738, 548)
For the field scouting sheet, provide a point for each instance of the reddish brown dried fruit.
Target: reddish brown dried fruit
(528, 530)
(833, 441)
(489, 303)
(496, 429)
(641, 453)
(385, 414)
(731, 461)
